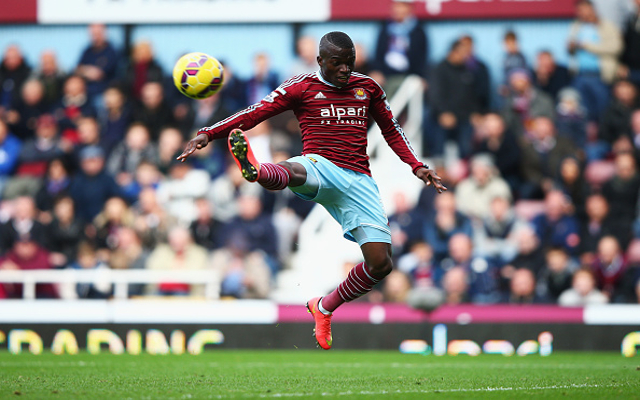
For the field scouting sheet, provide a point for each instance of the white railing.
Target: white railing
(120, 279)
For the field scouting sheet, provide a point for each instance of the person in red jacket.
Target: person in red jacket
(333, 106)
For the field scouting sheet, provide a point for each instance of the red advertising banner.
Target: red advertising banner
(14, 11)
(456, 9)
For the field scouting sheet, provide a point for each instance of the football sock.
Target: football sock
(273, 176)
(358, 283)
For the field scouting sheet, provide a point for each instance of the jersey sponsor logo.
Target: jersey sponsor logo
(360, 93)
(320, 96)
(340, 112)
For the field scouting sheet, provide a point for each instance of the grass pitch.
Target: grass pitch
(228, 374)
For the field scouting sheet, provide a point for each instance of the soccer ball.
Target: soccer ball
(198, 75)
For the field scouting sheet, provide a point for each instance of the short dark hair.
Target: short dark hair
(510, 35)
(338, 39)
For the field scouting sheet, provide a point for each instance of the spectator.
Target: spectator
(572, 183)
(475, 193)
(396, 287)
(51, 76)
(242, 273)
(151, 219)
(419, 264)
(100, 288)
(306, 52)
(74, 104)
(14, 72)
(127, 156)
(88, 136)
(22, 224)
(616, 11)
(182, 186)
(555, 227)
(525, 103)
(225, 191)
(206, 112)
(206, 230)
(456, 286)
(571, 121)
(169, 147)
(263, 81)
(598, 224)
(557, 273)
(26, 109)
(9, 153)
(179, 254)
(146, 175)
(142, 68)
(629, 67)
(115, 215)
(65, 232)
(153, 110)
(621, 191)
(523, 288)
(513, 58)
(609, 267)
(26, 254)
(530, 254)
(635, 133)
(114, 118)
(129, 254)
(401, 47)
(55, 185)
(495, 235)
(452, 101)
(502, 146)
(92, 186)
(233, 92)
(594, 45)
(481, 76)
(549, 76)
(542, 155)
(583, 291)
(445, 223)
(363, 64)
(405, 223)
(98, 62)
(481, 274)
(616, 119)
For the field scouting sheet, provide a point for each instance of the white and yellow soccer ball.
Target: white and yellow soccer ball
(198, 75)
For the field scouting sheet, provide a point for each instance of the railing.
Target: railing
(121, 279)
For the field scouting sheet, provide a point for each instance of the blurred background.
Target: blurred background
(528, 109)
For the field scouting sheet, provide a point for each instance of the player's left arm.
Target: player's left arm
(397, 140)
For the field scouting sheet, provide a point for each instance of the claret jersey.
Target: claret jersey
(333, 120)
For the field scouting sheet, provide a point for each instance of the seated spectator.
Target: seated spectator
(635, 133)
(92, 186)
(502, 145)
(597, 225)
(55, 185)
(244, 274)
(206, 112)
(23, 223)
(25, 110)
(98, 62)
(396, 287)
(524, 103)
(494, 236)
(127, 155)
(571, 182)
(129, 254)
(263, 81)
(146, 175)
(51, 76)
(88, 135)
(542, 154)
(481, 76)
(583, 291)
(26, 254)
(65, 232)
(529, 255)
(621, 191)
(482, 276)
(14, 72)
(180, 253)
(153, 110)
(182, 186)
(306, 52)
(225, 191)
(616, 119)
(556, 275)
(233, 92)
(523, 288)
(151, 219)
(142, 68)
(549, 76)
(206, 230)
(88, 260)
(556, 226)
(629, 67)
(9, 152)
(114, 118)
(475, 193)
(455, 284)
(609, 267)
(170, 145)
(572, 123)
(405, 223)
(115, 215)
(445, 223)
(513, 58)
(419, 264)
(74, 104)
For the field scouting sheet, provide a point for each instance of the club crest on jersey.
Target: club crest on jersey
(360, 93)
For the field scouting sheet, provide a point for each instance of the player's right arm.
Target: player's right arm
(283, 98)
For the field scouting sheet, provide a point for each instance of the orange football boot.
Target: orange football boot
(322, 331)
(242, 154)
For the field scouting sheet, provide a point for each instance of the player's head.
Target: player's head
(337, 58)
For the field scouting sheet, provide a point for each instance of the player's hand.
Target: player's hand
(197, 143)
(429, 177)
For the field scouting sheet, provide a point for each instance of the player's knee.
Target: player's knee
(380, 267)
(297, 173)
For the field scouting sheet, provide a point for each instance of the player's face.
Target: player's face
(337, 64)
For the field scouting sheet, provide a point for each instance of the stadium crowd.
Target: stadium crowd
(542, 168)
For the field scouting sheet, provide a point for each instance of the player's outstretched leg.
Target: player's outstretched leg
(270, 176)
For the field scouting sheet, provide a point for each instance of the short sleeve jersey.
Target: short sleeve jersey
(333, 120)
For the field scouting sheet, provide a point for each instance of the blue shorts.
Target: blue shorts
(352, 198)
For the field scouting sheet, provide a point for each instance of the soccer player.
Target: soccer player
(333, 106)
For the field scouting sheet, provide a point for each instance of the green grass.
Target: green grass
(229, 374)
